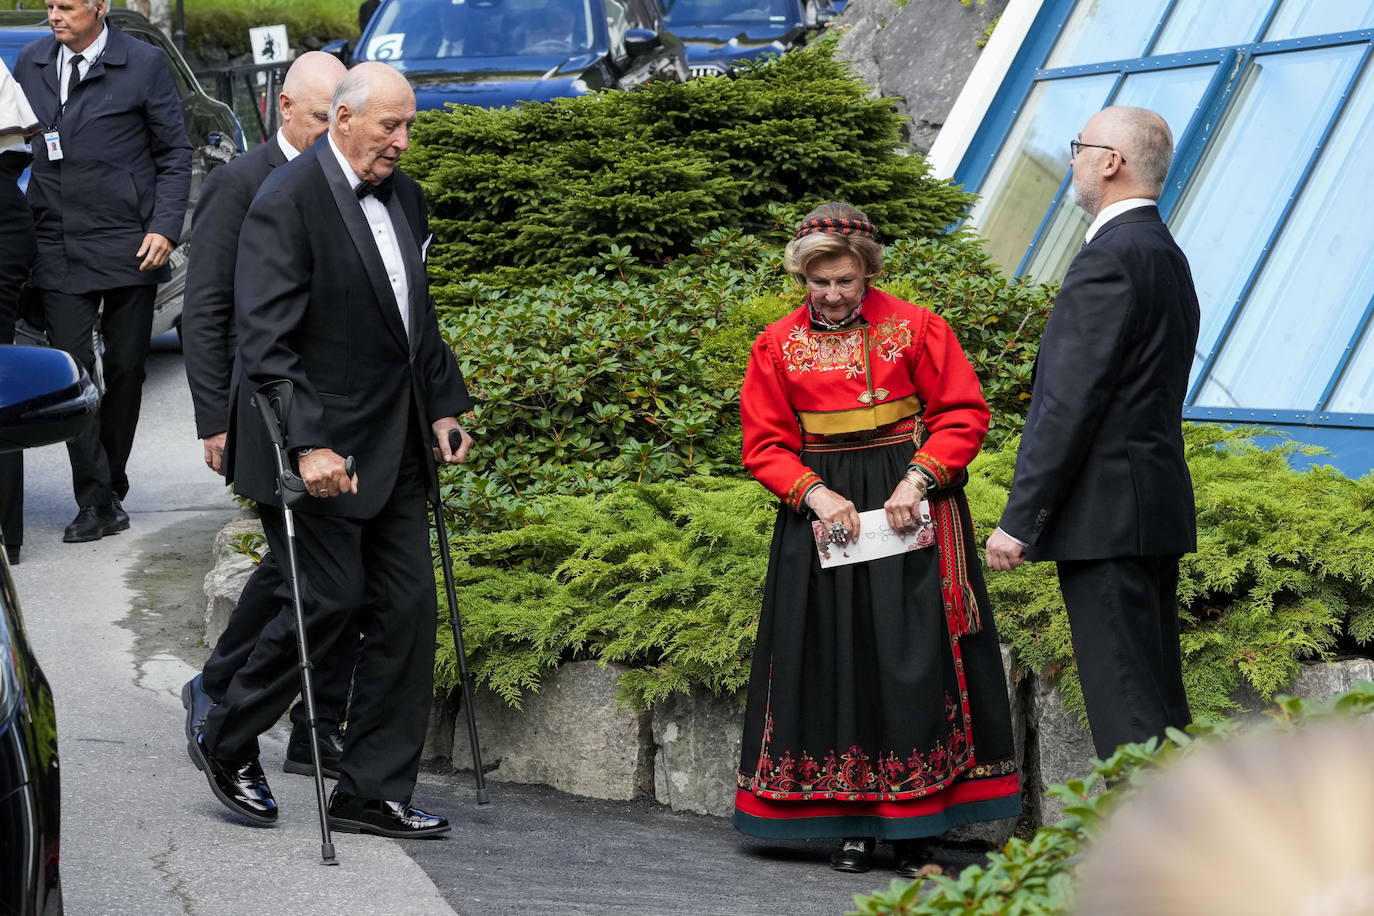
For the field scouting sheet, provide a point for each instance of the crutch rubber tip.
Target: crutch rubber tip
(327, 854)
(482, 797)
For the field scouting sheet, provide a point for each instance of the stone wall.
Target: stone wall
(919, 53)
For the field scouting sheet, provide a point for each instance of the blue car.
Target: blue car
(495, 53)
(721, 34)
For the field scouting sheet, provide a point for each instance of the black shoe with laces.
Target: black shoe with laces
(855, 854)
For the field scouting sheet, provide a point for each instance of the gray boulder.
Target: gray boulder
(920, 54)
(696, 751)
(1061, 749)
(223, 584)
(570, 735)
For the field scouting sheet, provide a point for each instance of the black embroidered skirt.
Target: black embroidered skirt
(868, 714)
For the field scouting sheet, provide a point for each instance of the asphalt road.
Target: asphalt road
(116, 626)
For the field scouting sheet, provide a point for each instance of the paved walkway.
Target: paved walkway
(115, 625)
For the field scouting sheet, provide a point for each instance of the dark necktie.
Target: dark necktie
(381, 191)
(75, 78)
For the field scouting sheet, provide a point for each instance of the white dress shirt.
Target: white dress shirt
(88, 57)
(291, 152)
(1112, 211)
(384, 234)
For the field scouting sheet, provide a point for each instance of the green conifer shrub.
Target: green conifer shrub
(526, 195)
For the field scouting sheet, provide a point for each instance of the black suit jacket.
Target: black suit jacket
(125, 171)
(208, 337)
(1101, 471)
(313, 305)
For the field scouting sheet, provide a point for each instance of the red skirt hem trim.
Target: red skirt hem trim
(960, 793)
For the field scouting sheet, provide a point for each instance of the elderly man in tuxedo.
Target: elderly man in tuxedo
(209, 341)
(1101, 484)
(108, 190)
(330, 294)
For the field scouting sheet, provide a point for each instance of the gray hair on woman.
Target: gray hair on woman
(833, 230)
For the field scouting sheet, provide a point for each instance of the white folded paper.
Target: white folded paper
(876, 539)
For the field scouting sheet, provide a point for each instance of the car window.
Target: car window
(617, 24)
(434, 29)
(720, 12)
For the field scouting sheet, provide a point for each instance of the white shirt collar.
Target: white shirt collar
(289, 151)
(352, 176)
(90, 55)
(1112, 211)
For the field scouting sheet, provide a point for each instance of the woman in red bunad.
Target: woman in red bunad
(877, 703)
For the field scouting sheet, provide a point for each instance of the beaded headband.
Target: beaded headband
(838, 226)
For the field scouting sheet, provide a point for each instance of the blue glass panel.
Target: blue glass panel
(1255, 159)
(1099, 30)
(1356, 391)
(1196, 24)
(1032, 163)
(1297, 18)
(1172, 93)
(1313, 290)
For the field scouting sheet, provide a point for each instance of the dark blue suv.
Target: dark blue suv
(720, 34)
(495, 53)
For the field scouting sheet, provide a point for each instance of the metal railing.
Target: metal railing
(251, 90)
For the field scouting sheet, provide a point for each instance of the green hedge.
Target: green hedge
(668, 578)
(527, 195)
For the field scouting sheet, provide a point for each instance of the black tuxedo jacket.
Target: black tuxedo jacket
(1101, 471)
(313, 305)
(208, 337)
(126, 166)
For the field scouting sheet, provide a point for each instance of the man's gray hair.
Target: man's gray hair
(355, 91)
(1147, 144)
(92, 4)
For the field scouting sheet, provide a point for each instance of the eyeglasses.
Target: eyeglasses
(1075, 146)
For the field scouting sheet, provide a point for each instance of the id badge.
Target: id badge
(54, 144)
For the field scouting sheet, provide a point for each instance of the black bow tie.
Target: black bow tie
(381, 191)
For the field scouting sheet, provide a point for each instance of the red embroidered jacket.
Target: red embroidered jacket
(899, 360)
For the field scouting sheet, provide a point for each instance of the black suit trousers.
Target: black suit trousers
(1123, 613)
(258, 604)
(343, 561)
(100, 455)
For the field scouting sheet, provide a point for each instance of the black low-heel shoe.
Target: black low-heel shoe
(914, 860)
(855, 854)
(398, 820)
(298, 759)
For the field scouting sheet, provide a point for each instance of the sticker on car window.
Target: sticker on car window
(387, 46)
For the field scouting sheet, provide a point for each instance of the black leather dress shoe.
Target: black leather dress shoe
(351, 814)
(197, 703)
(298, 753)
(120, 517)
(914, 860)
(855, 854)
(12, 552)
(92, 523)
(241, 787)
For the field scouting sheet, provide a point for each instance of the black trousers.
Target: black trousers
(258, 604)
(17, 251)
(99, 455)
(1123, 613)
(343, 562)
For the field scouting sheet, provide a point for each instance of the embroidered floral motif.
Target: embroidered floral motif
(834, 352)
(856, 771)
(890, 337)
